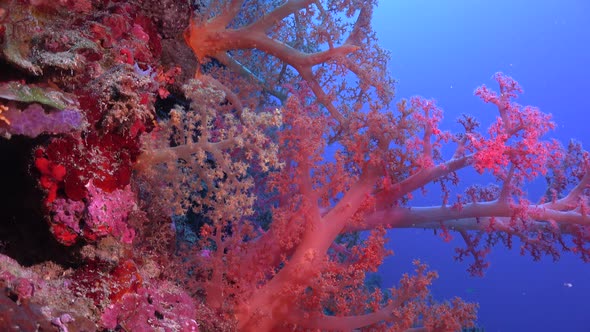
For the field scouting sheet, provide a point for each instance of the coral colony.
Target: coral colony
(235, 166)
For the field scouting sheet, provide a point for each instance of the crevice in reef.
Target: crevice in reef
(24, 233)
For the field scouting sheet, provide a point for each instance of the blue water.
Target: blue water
(444, 49)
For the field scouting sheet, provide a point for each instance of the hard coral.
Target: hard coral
(101, 214)
(28, 300)
(21, 317)
(107, 213)
(28, 25)
(161, 306)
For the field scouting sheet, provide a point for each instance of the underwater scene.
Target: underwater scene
(294, 165)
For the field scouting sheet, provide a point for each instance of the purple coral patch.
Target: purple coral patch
(34, 121)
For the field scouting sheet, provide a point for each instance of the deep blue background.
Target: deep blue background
(444, 49)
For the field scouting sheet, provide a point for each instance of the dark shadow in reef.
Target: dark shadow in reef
(24, 233)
